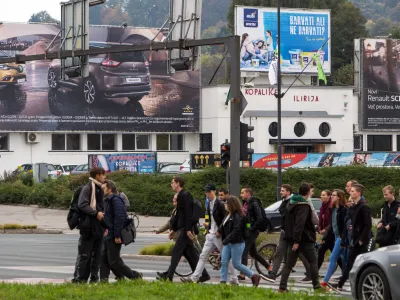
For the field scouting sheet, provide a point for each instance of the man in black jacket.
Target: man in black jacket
(254, 218)
(389, 221)
(116, 217)
(300, 235)
(183, 225)
(361, 221)
(216, 211)
(91, 207)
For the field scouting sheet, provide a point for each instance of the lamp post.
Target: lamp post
(279, 98)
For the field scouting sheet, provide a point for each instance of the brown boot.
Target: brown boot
(255, 279)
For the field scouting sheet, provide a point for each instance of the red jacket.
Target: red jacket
(325, 215)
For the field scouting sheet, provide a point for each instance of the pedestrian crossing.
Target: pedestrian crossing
(63, 274)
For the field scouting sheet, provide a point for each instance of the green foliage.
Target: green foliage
(158, 249)
(139, 289)
(42, 17)
(344, 75)
(26, 178)
(395, 32)
(17, 226)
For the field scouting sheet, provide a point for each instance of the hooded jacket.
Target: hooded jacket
(283, 210)
(298, 221)
(361, 223)
(254, 214)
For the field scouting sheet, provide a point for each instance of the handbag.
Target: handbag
(128, 234)
(384, 237)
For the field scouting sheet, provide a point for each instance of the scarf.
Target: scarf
(93, 202)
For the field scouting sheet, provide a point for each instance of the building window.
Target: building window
(358, 142)
(104, 142)
(379, 142)
(4, 141)
(66, 142)
(299, 129)
(324, 129)
(169, 142)
(205, 142)
(273, 129)
(135, 142)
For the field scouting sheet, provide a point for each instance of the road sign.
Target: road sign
(203, 160)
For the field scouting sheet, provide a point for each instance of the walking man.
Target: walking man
(223, 194)
(300, 235)
(216, 211)
(183, 225)
(91, 207)
(389, 221)
(116, 217)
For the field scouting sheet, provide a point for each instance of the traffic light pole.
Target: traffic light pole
(234, 50)
(279, 98)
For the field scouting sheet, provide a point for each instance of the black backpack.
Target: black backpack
(263, 226)
(198, 211)
(74, 216)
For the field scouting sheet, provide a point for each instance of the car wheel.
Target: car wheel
(91, 93)
(373, 284)
(52, 79)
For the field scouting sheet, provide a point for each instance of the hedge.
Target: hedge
(151, 194)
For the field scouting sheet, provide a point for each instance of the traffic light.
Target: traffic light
(225, 155)
(244, 140)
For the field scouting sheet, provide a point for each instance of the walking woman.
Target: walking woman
(232, 231)
(338, 228)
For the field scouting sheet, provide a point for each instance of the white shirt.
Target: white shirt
(214, 227)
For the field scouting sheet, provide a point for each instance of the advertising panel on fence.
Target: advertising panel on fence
(132, 162)
(303, 33)
(127, 91)
(322, 160)
(380, 85)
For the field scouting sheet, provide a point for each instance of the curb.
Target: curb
(30, 231)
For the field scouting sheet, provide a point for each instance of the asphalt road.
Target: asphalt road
(51, 258)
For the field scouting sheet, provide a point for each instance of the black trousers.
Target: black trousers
(183, 246)
(111, 261)
(308, 250)
(280, 255)
(251, 249)
(89, 258)
(329, 244)
(353, 253)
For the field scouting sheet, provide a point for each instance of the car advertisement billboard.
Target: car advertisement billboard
(380, 84)
(322, 160)
(303, 33)
(126, 91)
(132, 162)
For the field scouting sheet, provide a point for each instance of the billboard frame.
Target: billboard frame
(284, 9)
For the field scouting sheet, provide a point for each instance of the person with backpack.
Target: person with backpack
(216, 211)
(115, 216)
(92, 227)
(257, 221)
(187, 218)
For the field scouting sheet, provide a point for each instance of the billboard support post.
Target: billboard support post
(279, 98)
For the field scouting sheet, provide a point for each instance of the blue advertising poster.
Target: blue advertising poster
(132, 162)
(303, 33)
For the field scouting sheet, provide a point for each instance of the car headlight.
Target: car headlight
(358, 261)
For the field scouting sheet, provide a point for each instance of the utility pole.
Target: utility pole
(279, 98)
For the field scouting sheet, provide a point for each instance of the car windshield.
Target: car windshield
(274, 207)
(69, 168)
(50, 168)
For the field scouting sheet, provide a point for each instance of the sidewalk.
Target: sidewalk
(56, 219)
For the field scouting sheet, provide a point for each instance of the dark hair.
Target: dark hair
(223, 190)
(234, 205)
(244, 36)
(311, 185)
(341, 195)
(269, 31)
(111, 186)
(96, 171)
(248, 190)
(179, 180)
(359, 188)
(304, 189)
(287, 187)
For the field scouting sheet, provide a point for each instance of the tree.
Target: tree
(344, 75)
(42, 17)
(142, 13)
(114, 15)
(395, 32)
(382, 27)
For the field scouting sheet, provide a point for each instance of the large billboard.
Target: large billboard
(322, 160)
(127, 91)
(131, 162)
(380, 84)
(303, 33)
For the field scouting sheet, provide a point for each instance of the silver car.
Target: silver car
(375, 274)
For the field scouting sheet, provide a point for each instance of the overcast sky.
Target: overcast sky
(22, 10)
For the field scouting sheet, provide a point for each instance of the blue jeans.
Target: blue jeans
(235, 252)
(336, 253)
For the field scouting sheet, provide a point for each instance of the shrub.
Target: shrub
(159, 249)
(17, 226)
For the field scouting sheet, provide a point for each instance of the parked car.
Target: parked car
(115, 75)
(52, 172)
(186, 168)
(275, 218)
(374, 274)
(81, 169)
(161, 165)
(65, 169)
(171, 169)
(11, 73)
